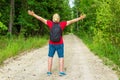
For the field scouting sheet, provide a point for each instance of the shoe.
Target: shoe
(49, 73)
(62, 73)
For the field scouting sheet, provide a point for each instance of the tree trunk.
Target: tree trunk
(12, 10)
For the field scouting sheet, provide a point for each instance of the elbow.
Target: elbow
(69, 22)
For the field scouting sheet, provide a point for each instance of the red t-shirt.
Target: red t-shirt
(62, 25)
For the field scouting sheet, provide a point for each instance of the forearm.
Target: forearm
(73, 20)
(40, 18)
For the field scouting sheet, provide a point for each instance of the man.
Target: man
(56, 46)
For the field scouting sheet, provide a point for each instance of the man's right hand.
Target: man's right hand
(31, 12)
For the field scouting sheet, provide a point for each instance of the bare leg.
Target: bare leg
(61, 64)
(50, 64)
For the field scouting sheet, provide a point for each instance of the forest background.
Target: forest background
(100, 30)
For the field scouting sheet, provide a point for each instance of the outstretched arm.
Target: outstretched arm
(37, 17)
(76, 19)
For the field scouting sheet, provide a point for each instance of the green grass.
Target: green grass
(15, 46)
(109, 53)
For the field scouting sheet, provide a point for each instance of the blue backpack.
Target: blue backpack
(55, 32)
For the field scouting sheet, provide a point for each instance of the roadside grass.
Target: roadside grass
(13, 46)
(109, 53)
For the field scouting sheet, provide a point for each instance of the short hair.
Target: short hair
(56, 18)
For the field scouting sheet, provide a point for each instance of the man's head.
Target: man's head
(56, 18)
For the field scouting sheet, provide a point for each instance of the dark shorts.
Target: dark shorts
(59, 48)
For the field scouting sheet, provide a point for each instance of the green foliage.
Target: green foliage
(88, 8)
(4, 12)
(101, 29)
(2, 26)
(27, 25)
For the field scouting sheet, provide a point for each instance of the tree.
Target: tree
(12, 10)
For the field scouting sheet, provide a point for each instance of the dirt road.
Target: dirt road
(80, 64)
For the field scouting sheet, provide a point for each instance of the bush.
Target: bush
(14, 46)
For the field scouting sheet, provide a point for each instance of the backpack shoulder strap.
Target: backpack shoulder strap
(55, 23)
